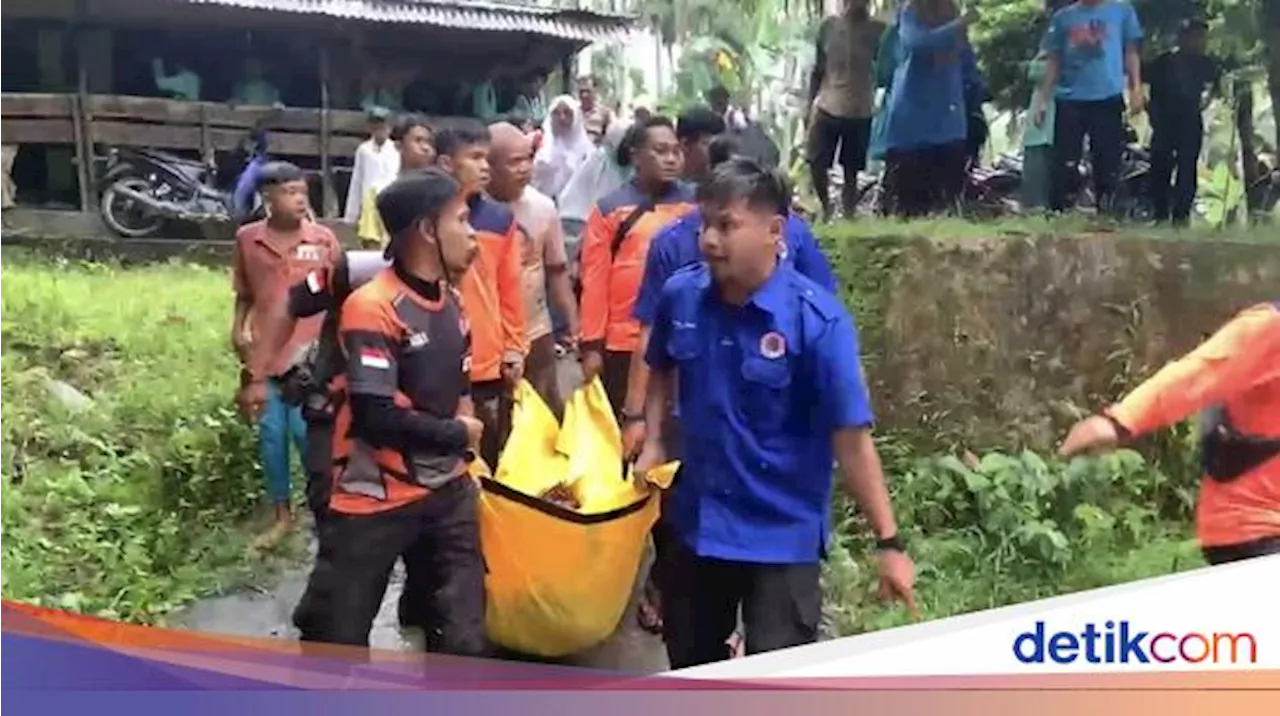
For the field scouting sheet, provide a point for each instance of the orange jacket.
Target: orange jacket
(493, 292)
(610, 282)
(1239, 368)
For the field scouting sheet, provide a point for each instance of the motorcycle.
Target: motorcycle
(990, 192)
(1133, 192)
(144, 188)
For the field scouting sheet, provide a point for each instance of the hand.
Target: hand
(1091, 434)
(251, 399)
(633, 438)
(1137, 104)
(651, 455)
(592, 365)
(898, 579)
(474, 427)
(242, 342)
(1040, 113)
(512, 372)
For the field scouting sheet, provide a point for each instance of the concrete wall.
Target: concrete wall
(999, 343)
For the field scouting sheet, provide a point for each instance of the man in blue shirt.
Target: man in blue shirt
(1092, 48)
(764, 363)
(674, 248)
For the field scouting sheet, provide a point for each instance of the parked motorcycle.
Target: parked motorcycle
(144, 188)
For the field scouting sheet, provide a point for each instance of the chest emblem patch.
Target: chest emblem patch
(309, 252)
(773, 345)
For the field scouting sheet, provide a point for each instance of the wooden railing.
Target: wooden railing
(172, 124)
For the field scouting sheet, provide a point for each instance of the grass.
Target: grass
(141, 503)
(947, 228)
(145, 501)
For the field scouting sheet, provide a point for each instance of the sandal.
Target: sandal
(737, 645)
(649, 611)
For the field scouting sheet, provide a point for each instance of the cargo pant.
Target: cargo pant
(439, 538)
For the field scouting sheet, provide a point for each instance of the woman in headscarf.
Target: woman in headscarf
(566, 146)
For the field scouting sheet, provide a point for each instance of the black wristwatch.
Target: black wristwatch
(887, 544)
(629, 418)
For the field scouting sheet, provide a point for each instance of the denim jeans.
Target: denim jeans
(280, 424)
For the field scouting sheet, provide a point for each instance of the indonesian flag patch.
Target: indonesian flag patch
(315, 283)
(374, 358)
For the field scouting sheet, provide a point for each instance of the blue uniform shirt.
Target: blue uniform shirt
(676, 246)
(761, 388)
(1090, 42)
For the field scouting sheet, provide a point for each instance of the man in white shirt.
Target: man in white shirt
(377, 163)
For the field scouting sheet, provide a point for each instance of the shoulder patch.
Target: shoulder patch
(491, 217)
(625, 195)
(822, 302)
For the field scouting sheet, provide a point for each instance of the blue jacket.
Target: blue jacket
(927, 104)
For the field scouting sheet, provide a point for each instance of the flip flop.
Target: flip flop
(649, 611)
(737, 646)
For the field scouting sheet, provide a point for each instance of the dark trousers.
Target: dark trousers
(1102, 121)
(318, 460)
(1175, 147)
(1245, 550)
(925, 180)
(781, 605)
(439, 538)
(492, 399)
(850, 135)
(614, 374)
(541, 370)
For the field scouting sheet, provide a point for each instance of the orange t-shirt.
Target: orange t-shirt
(611, 282)
(268, 263)
(1238, 367)
(493, 291)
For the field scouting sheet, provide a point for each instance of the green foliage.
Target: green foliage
(136, 505)
(1006, 528)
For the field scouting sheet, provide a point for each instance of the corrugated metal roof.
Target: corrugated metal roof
(580, 25)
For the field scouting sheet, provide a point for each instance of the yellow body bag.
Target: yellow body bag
(559, 578)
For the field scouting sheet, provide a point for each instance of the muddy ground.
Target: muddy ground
(266, 612)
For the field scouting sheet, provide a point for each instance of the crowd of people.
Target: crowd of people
(421, 344)
(928, 126)
(704, 306)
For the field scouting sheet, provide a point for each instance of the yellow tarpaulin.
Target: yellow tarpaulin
(559, 576)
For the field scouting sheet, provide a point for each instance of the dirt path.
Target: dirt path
(267, 612)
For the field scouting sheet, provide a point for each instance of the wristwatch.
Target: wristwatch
(628, 417)
(887, 544)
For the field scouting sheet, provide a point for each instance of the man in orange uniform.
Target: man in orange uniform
(403, 433)
(615, 246)
(1235, 378)
(492, 289)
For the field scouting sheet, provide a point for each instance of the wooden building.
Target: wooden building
(79, 74)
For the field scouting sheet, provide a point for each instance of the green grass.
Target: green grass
(145, 502)
(944, 228)
(141, 503)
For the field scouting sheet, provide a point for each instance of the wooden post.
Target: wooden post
(80, 115)
(566, 71)
(330, 197)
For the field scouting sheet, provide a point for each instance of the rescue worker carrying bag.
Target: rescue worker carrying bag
(562, 529)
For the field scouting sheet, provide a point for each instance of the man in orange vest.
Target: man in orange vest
(1234, 378)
